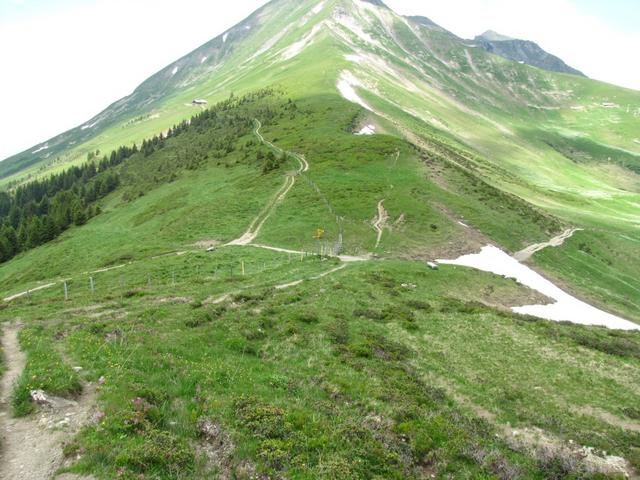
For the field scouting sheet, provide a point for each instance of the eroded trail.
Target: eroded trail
(14, 361)
(380, 222)
(526, 253)
(32, 447)
(290, 180)
(342, 258)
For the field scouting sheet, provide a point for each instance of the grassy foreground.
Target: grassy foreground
(379, 370)
(245, 362)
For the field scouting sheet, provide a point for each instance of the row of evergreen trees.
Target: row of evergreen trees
(37, 212)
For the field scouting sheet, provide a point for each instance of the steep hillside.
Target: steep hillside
(254, 289)
(284, 353)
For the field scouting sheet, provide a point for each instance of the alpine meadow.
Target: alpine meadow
(332, 243)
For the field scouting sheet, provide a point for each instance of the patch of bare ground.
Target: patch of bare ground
(504, 298)
(98, 311)
(32, 446)
(574, 458)
(609, 418)
(380, 221)
(436, 172)
(465, 239)
(544, 446)
(207, 243)
(216, 449)
(175, 300)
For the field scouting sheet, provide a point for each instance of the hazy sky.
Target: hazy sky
(65, 60)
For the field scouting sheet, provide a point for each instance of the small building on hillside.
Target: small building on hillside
(199, 101)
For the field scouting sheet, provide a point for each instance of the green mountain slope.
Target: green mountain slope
(252, 298)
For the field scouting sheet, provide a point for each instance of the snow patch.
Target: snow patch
(224, 37)
(345, 20)
(174, 71)
(44, 147)
(346, 84)
(566, 308)
(318, 8)
(352, 57)
(378, 64)
(84, 127)
(270, 43)
(367, 130)
(203, 59)
(295, 48)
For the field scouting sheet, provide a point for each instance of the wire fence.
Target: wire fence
(127, 279)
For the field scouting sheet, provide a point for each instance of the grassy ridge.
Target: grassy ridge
(381, 369)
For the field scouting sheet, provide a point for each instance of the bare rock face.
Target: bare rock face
(523, 51)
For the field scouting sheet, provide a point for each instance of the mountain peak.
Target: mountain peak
(427, 22)
(377, 3)
(523, 51)
(493, 36)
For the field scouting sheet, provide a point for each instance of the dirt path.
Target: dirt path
(315, 277)
(290, 180)
(26, 292)
(342, 258)
(32, 446)
(380, 222)
(525, 254)
(283, 286)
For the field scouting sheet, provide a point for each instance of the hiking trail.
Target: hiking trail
(32, 446)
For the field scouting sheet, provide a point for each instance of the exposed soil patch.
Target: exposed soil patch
(32, 447)
(207, 243)
(98, 311)
(380, 221)
(465, 239)
(610, 418)
(557, 241)
(544, 446)
(161, 300)
(574, 458)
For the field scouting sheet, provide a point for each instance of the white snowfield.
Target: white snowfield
(44, 147)
(318, 8)
(346, 85)
(367, 130)
(566, 308)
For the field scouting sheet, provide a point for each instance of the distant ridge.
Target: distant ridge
(523, 51)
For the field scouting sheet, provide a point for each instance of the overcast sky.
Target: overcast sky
(65, 60)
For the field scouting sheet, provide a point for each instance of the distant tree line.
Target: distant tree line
(37, 212)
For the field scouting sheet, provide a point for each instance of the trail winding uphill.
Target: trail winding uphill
(290, 180)
(528, 252)
(32, 446)
(380, 222)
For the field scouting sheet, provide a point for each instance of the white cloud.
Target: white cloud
(59, 70)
